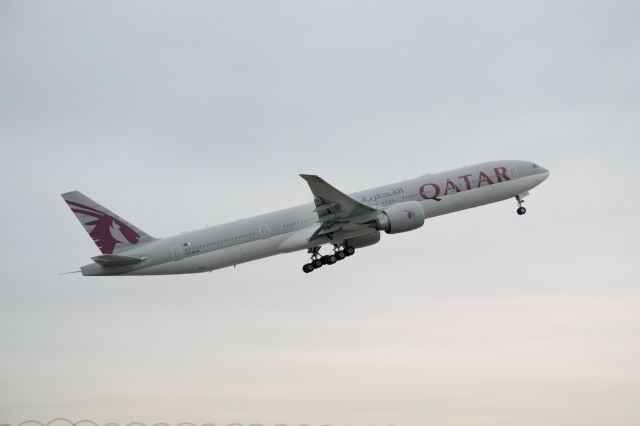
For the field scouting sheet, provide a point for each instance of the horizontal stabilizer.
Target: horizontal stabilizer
(116, 260)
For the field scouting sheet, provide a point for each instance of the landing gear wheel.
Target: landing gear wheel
(349, 251)
(307, 267)
(317, 263)
(341, 254)
(331, 259)
(521, 210)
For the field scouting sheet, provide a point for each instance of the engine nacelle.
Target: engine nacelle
(401, 217)
(364, 240)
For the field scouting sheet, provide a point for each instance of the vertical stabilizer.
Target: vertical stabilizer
(110, 232)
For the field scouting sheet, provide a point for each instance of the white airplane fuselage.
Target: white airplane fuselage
(290, 229)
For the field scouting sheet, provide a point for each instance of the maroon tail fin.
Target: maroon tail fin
(110, 232)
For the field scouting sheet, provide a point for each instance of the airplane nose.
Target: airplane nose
(544, 173)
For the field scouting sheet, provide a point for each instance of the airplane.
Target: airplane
(346, 222)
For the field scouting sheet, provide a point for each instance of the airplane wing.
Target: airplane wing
(335, 209)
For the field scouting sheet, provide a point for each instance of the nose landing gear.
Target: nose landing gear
(521, 210)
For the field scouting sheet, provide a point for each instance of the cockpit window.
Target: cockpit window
(535, 166)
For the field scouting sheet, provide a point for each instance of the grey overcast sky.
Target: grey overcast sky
(178, 115)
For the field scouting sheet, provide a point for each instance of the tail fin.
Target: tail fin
(110, 232)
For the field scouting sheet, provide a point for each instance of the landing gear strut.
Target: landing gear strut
(521, 210)
(316, 260)
(340, 252)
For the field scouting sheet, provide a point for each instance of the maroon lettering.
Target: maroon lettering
(451, 186)
(434, 188)
(466, 180)
(501, 174)
(482, 177)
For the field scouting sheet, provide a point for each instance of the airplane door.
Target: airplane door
(513, 172)
(264, 231)
(176, 251)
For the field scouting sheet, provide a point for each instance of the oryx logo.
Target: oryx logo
(410, 214)
(104, 228)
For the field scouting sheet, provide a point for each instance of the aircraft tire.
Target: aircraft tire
(317, 263)
(341, 254)
(307, 267)
(521, 211)
(349, 251)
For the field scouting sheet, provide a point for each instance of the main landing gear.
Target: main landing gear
(521, 210)
(340, 252)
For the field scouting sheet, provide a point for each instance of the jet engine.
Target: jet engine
(401, 217)
(363, 240)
